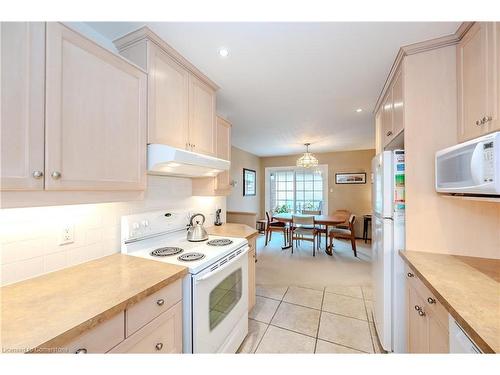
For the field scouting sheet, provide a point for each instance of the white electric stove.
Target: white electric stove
(215, 292)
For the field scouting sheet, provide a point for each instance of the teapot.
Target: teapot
(196, 232)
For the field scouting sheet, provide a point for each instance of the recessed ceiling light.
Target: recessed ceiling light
(223, 52)
(359, 110)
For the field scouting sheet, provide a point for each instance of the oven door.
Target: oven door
(220, 299)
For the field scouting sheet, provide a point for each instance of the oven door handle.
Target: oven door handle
(220, 269)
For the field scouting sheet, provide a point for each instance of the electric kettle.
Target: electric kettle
(196, 232)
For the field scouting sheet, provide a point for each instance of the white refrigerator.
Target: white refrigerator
(388, 237)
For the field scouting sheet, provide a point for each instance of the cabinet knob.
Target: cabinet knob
(485, 119)
(421, 312)
(418, 308)
(431, 300)
(479, 122)
(389, 133)
(37, 174)
(410, 274)
(159, 346)
(56, 175)
(81, 351)
(160, 302)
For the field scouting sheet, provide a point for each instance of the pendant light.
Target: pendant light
(307, 160)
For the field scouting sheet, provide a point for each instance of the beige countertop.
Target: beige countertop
(51, 309)
(468, 287)
(233, 230)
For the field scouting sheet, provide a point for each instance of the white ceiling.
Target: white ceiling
(284, 84)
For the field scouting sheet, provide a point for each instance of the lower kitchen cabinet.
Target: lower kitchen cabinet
(252, 260)
(153, 325)
(99, 339)
(427, 319)
(162, 335)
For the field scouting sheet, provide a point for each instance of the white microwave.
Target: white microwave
(472, 167)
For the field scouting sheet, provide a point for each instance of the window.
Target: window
(295, 189)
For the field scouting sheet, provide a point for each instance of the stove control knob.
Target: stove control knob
(145, 223)
(135, 226)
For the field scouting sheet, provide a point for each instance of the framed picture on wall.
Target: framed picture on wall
(350, 178)
(249, 182)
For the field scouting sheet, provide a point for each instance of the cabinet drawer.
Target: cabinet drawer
(149, 308)
(430, 300)
(162, 335)
(101, 338)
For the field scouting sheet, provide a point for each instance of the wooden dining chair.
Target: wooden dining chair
(320, 228)
(346, 214)
(347, 234)
(303, 229)
(275, 226)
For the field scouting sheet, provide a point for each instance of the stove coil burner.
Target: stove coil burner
(190, 257)
(166, 251)
(220, 242)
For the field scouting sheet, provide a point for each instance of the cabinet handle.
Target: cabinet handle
(37, 174)
(431, 300)
(389, 133)
(410, 274)
(479, 122)
(81, 351)
(159, 346)
(160, 302)
(56, 175)
(485, 119)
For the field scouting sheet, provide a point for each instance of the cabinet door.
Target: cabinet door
(168, 100)
(397, 104)
(252, 258)
(223, 147)
(161, 335)
(95, 116)
(202, 130)
(472, 81)
(387, 124)
(22, 105)
(493, 110)
(379, 146)
(438, 335)
(418, 337)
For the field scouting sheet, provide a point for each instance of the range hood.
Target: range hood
(170, 161)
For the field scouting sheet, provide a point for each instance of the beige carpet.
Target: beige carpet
(280, 267)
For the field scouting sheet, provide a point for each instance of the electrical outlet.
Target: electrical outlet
(67, 234)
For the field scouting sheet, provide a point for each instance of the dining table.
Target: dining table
(326, 220)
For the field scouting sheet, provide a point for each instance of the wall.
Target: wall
(435, 223)
(236, 201)
(356, 198)
(29, 237)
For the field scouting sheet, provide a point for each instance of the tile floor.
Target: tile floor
(294, 319)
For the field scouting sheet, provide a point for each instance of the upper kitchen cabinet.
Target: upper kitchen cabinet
(478, 69)
(390, 116)
(223, 145)
(387, 123)
(397, 104)
(181, 99)
(202, 131)
(168, 100)
(95, 126)
(22, 105)
(221, 184)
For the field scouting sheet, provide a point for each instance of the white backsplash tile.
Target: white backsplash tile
(29, 237)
